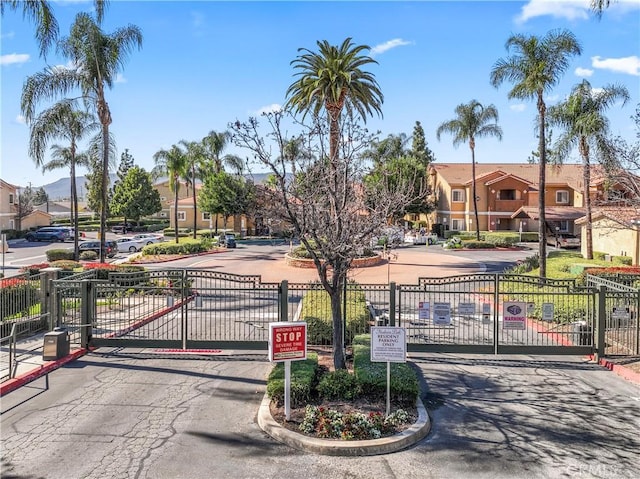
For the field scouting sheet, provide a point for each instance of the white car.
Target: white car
(149, 238)
(130, 245)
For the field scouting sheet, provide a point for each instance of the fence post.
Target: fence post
(48, 299)
(392, 303)
(601, 321)
(87, 300)
(283, 292)
(496, 314)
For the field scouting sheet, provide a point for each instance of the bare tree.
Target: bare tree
(329, 205)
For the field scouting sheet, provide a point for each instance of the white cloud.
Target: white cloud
(583, 72)
(8, 35)
(20, 119)
(120, 78)
(268, 109)
(629, 65)
(14, 58)
(383, 47)
(568, 9)
(518, 107)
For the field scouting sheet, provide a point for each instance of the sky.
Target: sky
(204, 64)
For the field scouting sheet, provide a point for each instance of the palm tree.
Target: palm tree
(213, 145)
(40, 12)
(69, 157)
(587, 128)
(62, 121)
(172, 163)
(97, 59)
(472, 121)
(333, 79)
(194, 155)
(535, 67)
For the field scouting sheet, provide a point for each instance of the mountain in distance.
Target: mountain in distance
(61, 189)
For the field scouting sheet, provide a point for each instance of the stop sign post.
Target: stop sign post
(287, 342)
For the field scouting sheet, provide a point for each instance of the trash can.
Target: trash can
(56, 345)
(582, 332)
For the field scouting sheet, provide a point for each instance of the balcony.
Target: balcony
(509, 205)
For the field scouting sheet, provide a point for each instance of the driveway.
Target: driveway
(137, 414)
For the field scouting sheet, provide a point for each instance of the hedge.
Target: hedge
(60, 254)
(372, 377)
(304, 376)
(168, 247)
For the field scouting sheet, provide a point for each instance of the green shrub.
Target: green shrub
(168, 247)
(11, 234)
(303, 379)
(66, 265)
(59, 254)
(372, 377)
(599, 255)
(473, 244)
(88, 256)
(625, 260)
(530, 237)
(340, 384)
(316, 311)
(502, 239)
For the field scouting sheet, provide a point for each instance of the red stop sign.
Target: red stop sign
(287, 341)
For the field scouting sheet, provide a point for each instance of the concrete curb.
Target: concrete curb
(46, 368)
(334, 447)
(619, 369)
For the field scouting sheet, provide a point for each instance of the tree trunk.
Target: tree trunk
(339, 361)
(586, 178)
(175, 212)
(74, 208)
(473, 187)
(195, 204)
(542, 150)
(105, 186)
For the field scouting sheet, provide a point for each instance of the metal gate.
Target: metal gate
(497, 314)
(479, 313)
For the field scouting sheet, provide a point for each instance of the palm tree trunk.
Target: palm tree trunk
(542, 227)
(105, 186)
(473, 187)
(74, 202)
(195, 204)
(175, 211)
(586, 178)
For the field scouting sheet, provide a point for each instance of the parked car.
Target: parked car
(564, 240)
(129, 244)
(111, 247)
(228, 240)
(122, 228)
(149, 238)
(49, 233)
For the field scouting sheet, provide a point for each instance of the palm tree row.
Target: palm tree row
(193, 160)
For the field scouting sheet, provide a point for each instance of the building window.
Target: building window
(564, 225)
(457, 196)
(10, 198)
(562, 197)
(507, 194)
(457, 225)
(182, 216)
(206, 216)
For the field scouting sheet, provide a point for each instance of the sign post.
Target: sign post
(388, 343)
(287, 342)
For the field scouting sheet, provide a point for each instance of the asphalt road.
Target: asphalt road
(141, 415)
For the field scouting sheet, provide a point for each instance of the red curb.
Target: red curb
(189, 351)
(619, 369)
(46, 368)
